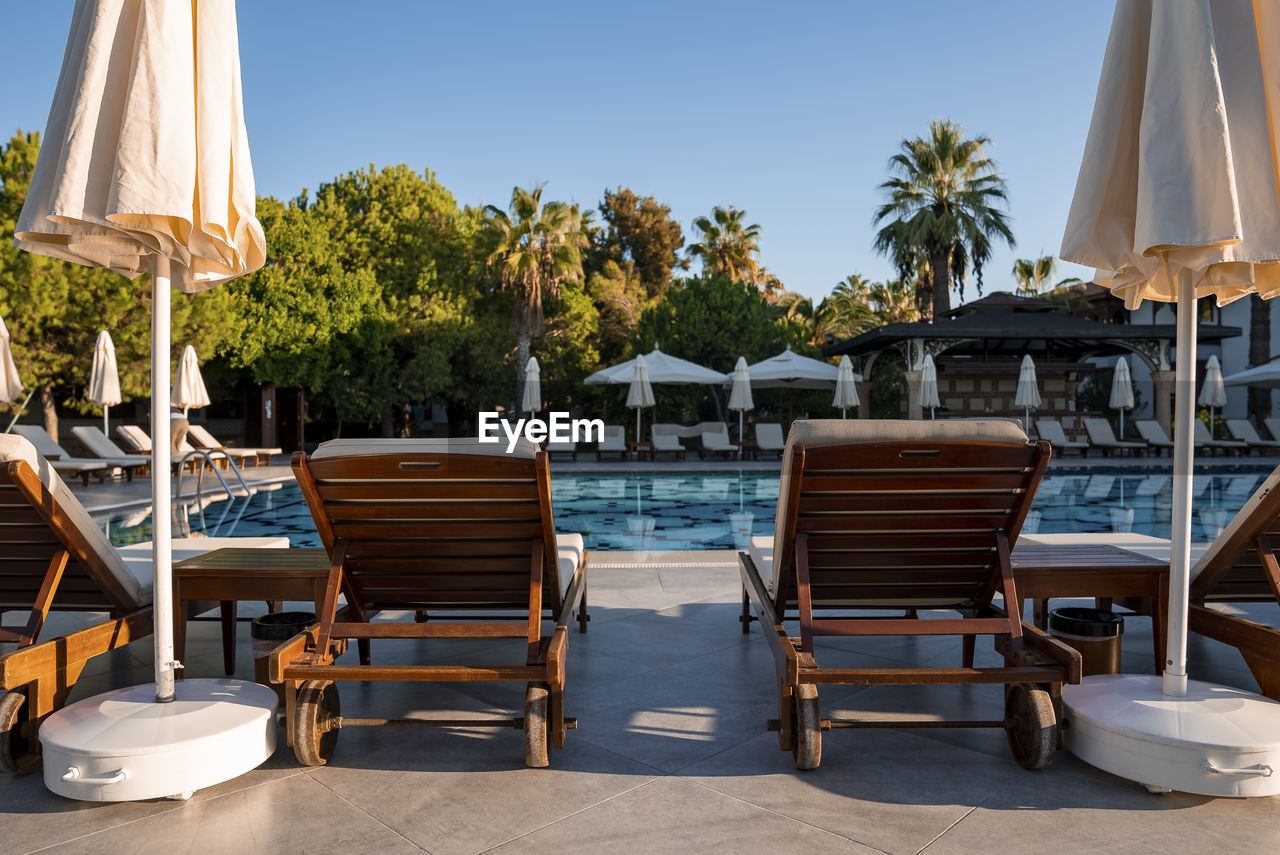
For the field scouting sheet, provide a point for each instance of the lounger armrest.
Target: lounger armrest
(1248, 637)
(68, 652)
(1065, 655)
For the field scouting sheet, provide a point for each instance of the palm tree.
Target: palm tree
(941, 206)
(1034, 274)
(536, 248)
(728, 246)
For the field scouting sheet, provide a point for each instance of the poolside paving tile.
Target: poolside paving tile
(671, 815)
(887, 789)
(295, 814)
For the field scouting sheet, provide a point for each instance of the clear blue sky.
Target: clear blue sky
(789, 110)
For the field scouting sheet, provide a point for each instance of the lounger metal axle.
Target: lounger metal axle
(829, 724)
(336, 722)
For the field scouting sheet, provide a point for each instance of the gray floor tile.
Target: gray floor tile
(671, 815)
(887, 789)
(294, 815)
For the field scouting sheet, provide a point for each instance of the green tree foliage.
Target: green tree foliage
(728, 246)
(54, 309)
(641, 231)
(535, 248)
(1034, 276)
(942, 208)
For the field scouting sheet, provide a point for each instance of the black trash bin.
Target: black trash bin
(1094, 632)
(267, 633)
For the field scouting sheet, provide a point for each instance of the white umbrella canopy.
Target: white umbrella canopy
(640, 394)
(790, 370)
(740, 395)
(10, 382)
(531, 398)
(846, 387)
(1028, 394)
(1178, 198)
(1266, 376)
(1122, 390)
(661, 368)
(145, 167)
(104, 376)
(1212, 393)
(188, 387)
(929, 385)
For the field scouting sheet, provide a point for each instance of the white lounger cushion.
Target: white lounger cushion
(204, 439)
(101, 446)
(137, 556)
(569, 552)
(822, 433)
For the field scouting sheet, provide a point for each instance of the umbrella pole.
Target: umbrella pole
(105, 430)
(638, 424)
(739, 434)
(161, 528)
(1184, 405)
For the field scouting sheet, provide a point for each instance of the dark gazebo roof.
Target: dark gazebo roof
(1004, 323)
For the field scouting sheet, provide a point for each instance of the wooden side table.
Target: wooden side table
(642, 450)
(231, 575)
(1042, 572)
(749, 449)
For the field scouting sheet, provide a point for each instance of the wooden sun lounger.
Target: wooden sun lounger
(894, 515)
(715, 440)
(52, 557)
(440, 526)
(769, 439)
(1243, 566)
(1051, 431)
(613, 442)
(1203, 439)
(63, 463)
(200, 438)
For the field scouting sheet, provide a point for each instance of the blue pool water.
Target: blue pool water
(664, 510)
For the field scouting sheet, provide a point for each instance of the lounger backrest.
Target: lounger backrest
(135, 436)
(901, 510)
(1231, 568)
(39, 516)
(1099, 432)
(1201, 433)
(1151, 431)
(769, 436)
(614, 438)
(202, 438)
(441, 523)
(98, 443)
(1242, 430)
(39, 437)
(666, 442)
(1051, 430)
(715, 434)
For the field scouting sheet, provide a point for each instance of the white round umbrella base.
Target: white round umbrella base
(1216, 741)
(123, 745)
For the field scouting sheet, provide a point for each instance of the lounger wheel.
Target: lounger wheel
(806, 740)
(536, 739)
(317, 718)
(1031, 725)
(19, 747)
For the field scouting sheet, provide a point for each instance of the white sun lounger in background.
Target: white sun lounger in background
(613, 442)
(666, 443)
(200, 437)
(1153, 433)
(1102, 437)
(567, 447)
(1051, 431)
(715, 440)
(769, 438)
(66, 464)
(1245, 432)
(1204, 438)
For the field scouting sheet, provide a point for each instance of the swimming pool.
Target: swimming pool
(674, 509)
